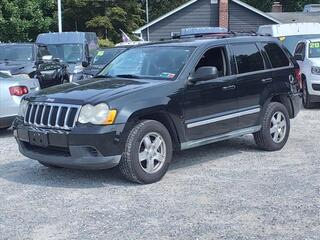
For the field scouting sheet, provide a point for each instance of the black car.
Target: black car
(103, 57)
(162, 97)
(17, 58)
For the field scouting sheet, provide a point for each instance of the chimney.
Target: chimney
(224, 13)
(277, 7)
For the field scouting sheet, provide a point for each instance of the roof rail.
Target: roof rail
(211, 32)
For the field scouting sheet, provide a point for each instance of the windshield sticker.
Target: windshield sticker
(167, 75)
(100, 53)
(315, 45)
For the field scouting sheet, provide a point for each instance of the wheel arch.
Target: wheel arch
(283, 99)
(161, 116)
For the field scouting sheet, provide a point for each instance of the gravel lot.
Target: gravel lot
(228, 190)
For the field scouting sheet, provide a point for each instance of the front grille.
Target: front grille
(51, 115)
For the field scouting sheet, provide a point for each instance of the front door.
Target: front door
(210, 106)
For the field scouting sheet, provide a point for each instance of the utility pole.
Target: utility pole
(147, 18)
(59, 16)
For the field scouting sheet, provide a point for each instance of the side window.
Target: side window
(248, 58)
(215, 57)
(276, 55)
(301, 49)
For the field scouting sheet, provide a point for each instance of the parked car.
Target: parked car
(17, 58)
(103, 57)
(291, 33)
(162, 97)
(311, 8)
(73, 48)
(12, 89)
(307, 54)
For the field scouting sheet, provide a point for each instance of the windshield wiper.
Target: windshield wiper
(103, 76)
(127, 76)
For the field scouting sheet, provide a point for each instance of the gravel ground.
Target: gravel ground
(227, 190)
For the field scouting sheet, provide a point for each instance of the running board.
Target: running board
(208, 140)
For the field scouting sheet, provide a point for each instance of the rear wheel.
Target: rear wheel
(275, 128)
(306, 97)
(148, 153)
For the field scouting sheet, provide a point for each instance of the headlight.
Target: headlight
(315, 70)
(23, 108)
(99, 114)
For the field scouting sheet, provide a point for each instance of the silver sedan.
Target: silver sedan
(12, 89)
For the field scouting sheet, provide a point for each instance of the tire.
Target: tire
(267, 138)
(49, 165)
(306, 97)
(141, 143)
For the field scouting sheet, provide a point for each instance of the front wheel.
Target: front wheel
(275, 128)
(148, 153)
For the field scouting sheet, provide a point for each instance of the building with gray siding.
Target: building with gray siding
(205, 13)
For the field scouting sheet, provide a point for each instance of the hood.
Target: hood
(315, 62)
(91, 90)
(17, 67)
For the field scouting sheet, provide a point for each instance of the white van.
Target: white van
(290, 34)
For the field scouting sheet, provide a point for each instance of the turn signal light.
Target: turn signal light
(18, 91)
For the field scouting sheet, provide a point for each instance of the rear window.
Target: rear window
(276, 55)
(248, 58)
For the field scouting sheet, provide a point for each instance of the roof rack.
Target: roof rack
(211, 32)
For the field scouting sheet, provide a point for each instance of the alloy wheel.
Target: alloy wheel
(152, 152)
(278, 127)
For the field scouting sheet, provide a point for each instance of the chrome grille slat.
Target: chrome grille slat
(66, 117)
(53, 112)
(30, 115)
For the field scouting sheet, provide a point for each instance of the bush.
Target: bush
(105, 43)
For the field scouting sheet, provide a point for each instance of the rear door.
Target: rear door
(253, 80)
(282, 68)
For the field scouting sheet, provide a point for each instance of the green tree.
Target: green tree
(106, 18)
(23, 20)
(288, 5)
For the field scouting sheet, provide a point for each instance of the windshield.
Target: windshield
(70, 53)
(103, 57)
(149, 62)
(16, 53)
(291, 41)
(314, 50)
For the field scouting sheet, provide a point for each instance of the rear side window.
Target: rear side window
(276, 55)
(248, 58)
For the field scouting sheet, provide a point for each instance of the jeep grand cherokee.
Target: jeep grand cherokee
(162, 97)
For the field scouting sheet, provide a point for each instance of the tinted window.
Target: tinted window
(276, 55)
(248, 58)
(16, 52)
(215, 57)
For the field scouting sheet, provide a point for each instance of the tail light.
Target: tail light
(297, 75)
(18, 91)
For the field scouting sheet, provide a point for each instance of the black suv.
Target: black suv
(162, 97)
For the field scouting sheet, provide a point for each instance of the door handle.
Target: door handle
(267, 80)
(228, 88)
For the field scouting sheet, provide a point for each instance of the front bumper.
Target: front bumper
(6, 122)
(89, 147)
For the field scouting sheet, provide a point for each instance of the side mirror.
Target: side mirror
(85, 64)
(204, 74)
(298, 57)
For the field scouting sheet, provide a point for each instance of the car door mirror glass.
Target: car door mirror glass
(204, 74)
